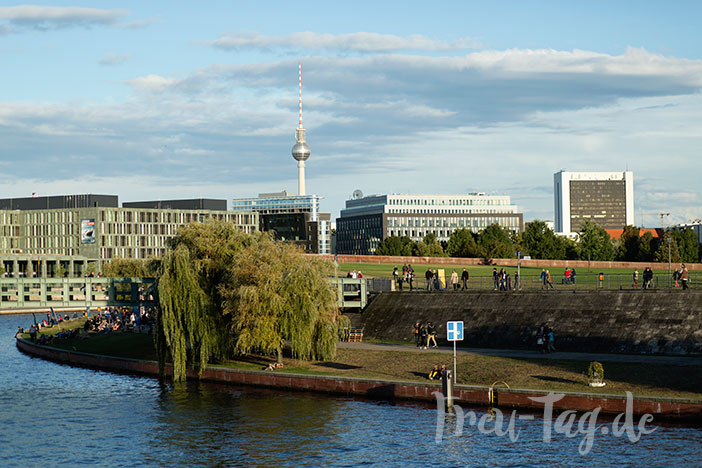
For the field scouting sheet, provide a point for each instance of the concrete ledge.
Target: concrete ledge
(663, 408)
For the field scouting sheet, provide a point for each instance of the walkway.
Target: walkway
(514, 353)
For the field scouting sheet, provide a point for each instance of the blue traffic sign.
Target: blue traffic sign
(454, 331)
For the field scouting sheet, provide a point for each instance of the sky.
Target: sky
(162, 100)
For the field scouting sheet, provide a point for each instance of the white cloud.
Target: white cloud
(153, 83)
(354, 42)
(496, 122)
(44, 17)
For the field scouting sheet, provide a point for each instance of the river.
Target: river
(60, 416)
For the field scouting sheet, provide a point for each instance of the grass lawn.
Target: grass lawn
(566, 375)
(384, 270)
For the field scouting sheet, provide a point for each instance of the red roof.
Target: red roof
(657, 233)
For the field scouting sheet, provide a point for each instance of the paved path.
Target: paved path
(632, 358)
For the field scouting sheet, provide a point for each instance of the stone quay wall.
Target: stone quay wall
(640, 322)
(672, 409)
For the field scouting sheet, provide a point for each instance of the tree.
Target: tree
(667, 250)
(539, 241)
(186, 317)
(395, 246)
(223, 292)
(688, 245)
(462, 244)
(647, 247)
(595, 243)
(278, 295)
(629, 244)
(495, 242)
(131, 267)
(572, 248)
(428, 247)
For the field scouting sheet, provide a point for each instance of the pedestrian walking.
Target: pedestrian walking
(464, 278)
(551, 341)
(454, 280)
(684, 276)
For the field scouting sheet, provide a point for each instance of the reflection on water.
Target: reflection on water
(54, 415)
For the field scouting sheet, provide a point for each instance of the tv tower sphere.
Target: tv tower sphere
(301, 152)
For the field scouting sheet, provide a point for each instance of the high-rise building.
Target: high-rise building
(605, 198)
(367, 221)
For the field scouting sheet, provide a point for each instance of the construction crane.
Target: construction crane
(663, 215)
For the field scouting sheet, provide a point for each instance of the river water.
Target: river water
(59, 416)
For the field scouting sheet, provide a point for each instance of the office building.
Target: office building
(293, 218)
(605, 198)
(367, 221)
(99, 233)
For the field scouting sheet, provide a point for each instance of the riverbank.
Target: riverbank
(310, 379)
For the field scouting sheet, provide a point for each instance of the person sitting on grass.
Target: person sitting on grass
(274, 366)
(434, 373)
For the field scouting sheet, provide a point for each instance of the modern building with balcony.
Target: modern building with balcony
(95, 229)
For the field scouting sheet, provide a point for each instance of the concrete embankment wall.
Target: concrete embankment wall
(665, 322)
(674, 409)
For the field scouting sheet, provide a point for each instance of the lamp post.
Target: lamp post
(519, 273)
(670, 277)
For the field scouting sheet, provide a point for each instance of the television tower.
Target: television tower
(301, 152)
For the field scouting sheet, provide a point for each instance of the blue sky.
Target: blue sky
(153, 100)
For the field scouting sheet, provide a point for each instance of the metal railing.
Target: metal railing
(582, 282)
(26, 293)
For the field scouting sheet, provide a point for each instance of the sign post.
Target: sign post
(454, 332)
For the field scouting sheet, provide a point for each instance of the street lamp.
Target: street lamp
(670, 277)
(519, 274)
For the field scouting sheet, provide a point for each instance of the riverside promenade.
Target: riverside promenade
(525, 354)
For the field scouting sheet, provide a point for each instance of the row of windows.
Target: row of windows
(455, 222)
(447, 211)
(451, 202)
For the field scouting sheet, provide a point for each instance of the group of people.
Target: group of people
(424, 335)
(681, 277)
(406, 275)
(464, 278)
(354, 274)
(546, 280)
(437, 372)
(119, 319)
(502, 281)
(647, 277)
(569, 276)
(545, 339)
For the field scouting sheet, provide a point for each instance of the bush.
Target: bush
(595, 373)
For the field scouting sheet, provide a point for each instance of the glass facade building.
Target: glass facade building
(276, 210)
(369, 220)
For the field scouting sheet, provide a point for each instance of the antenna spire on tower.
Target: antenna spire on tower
(299, 74)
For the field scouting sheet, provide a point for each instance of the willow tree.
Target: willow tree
(222, 291)
(190, 326)
(278, 295)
